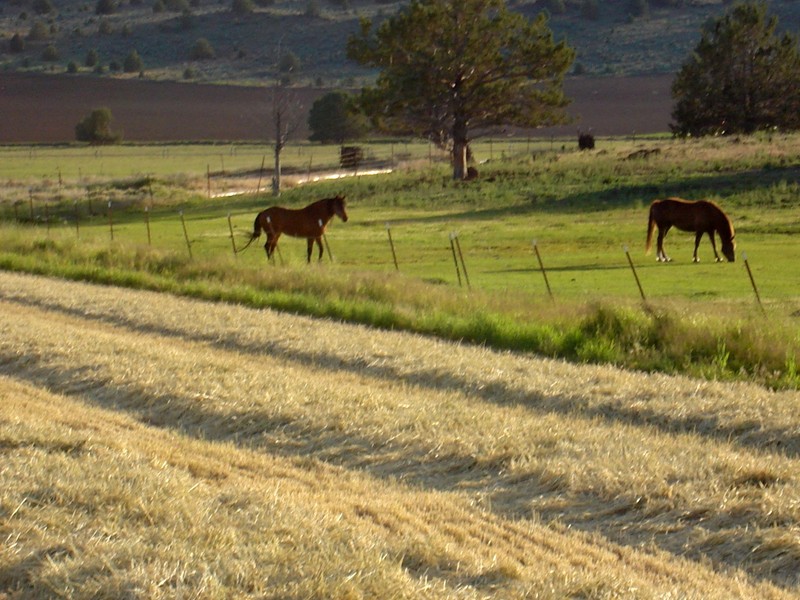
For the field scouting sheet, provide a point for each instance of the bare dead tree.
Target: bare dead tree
(287, 112)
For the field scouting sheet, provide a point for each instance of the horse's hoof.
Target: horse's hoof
(696, 260)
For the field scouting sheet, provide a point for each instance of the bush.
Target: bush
(105, 7)
(92, 58)
(16, 44)
(289, 63)
(313, 9)
(42, 7)
(50, 54)
(38, 32)
(242, 7)
(133, 62)
(202, 50)
(334, 118)
(96, 128)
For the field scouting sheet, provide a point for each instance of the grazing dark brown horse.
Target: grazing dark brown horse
(308, 222)
(699, 216)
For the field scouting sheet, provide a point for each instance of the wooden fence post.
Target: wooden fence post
(147, 224)
(753, 282)
(541, 267)
(391, 245)
(110, 220)
(455, 259)
(260, 175)
(233, 240)
(463, 264)
(186, 236)
(638, 283)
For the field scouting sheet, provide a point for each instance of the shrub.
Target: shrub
(242, 7)
(105, 7)
(50, 54)
(16, 44)
(202, 50)
(96, 128)
(133, 62)
(335, 118)
(289, 63)
(72, 67)
(42, 7)
(92, 58)
(38, 32)
(313, 9)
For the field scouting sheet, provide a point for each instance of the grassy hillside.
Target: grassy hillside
(248, 48)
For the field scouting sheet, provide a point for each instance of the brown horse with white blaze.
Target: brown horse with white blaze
(309, 222)
(699, 217)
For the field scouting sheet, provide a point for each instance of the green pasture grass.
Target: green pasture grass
(587, 213)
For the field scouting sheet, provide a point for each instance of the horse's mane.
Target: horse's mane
(728, 224)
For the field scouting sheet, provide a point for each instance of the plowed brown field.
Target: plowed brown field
(46, 108)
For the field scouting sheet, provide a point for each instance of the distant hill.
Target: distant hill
(310, 35)
(620, 84)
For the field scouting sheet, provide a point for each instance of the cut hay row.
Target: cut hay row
(155, 446)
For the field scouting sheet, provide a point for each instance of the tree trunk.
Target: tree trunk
(276, 177)
(459, 160)
(460, 142)
(279, 142)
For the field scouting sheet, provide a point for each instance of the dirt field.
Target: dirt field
(42, 108)
(394, 464)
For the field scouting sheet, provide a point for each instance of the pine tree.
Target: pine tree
(741, 77)
(451, 67)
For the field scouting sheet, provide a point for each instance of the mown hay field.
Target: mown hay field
(160, 447)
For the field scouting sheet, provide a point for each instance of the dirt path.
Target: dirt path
(517, 471)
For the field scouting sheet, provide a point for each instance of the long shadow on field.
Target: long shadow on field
(623, 196)
(626, 520)
(785, 441)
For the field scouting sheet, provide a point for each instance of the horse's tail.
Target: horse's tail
(651, 225)
(256, 233)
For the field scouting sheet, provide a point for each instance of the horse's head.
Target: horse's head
(729, 249)
(727, 234)
(339, 204)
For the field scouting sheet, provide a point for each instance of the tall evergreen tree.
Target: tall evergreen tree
(333, 118)
(741, 77)
(452, 67)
